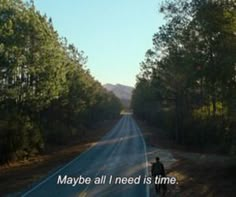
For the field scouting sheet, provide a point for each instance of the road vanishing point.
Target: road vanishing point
(120, 153)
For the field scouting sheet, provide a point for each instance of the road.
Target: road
(120, 153)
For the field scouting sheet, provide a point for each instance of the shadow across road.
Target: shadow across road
(120, 153)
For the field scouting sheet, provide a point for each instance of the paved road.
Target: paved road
(120, 153)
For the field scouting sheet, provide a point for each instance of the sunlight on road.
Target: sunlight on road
(120, 153)
(125, 112)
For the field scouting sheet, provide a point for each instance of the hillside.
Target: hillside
(123, 92)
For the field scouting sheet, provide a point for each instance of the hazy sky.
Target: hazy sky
(114, 34)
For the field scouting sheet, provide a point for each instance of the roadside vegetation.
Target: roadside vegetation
(187, 83)
(47, 95)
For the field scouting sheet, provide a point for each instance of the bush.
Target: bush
(20, 137)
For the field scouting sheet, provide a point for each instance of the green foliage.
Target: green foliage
(204, 111)
(187, 82)
(46, 93)
(20, 137)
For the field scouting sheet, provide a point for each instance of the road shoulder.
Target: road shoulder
(16, 176)
(198, 174)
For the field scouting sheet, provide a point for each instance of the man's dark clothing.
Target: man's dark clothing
(159, 170)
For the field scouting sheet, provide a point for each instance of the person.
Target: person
(159, 170)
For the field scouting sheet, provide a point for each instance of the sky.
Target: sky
(113, 34)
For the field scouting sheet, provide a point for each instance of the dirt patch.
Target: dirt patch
(18, 175)
(198, 174)
(204, 178)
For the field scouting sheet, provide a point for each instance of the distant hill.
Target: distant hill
(124, 93)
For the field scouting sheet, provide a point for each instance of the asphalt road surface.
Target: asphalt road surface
(120, 157)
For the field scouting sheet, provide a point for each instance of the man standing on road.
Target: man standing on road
(159, 170)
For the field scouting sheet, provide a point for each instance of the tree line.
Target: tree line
(46, 92)
(187, 83)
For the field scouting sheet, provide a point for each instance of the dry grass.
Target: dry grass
(198, 174)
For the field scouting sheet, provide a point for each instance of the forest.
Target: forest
(46, 92)
(187, 82)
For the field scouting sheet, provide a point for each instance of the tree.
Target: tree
(191, 69)
(46, 92)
